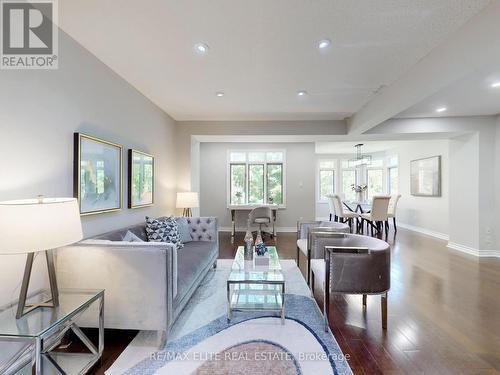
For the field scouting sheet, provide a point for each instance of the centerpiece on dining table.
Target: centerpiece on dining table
(359, 190)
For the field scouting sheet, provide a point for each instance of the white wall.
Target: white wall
(300, 181)
(429, 214)
(40, 110)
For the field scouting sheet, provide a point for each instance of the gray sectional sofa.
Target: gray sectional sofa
(147, 284)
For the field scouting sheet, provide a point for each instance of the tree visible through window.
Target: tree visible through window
(375, 182)
(348, 179)
(256, 177)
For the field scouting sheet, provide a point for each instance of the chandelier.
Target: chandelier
(359, 158)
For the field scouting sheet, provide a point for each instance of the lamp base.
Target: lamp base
(22, 307)
(187, 212)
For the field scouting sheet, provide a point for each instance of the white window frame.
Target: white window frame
(318, 180)
(247, 163)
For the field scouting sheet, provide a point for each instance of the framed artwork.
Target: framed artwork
(425, 177)
(141, 180)
(97, 174)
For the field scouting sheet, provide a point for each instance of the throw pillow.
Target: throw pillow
(131, 237)
(163, 230)
(184, 230)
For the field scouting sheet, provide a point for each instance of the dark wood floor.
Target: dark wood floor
(444, 312)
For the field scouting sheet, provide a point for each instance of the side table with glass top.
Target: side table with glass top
(39, 332)
(256, 288)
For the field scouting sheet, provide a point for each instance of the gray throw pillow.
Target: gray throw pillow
(184, 230)
(163, 230)
(131, 237)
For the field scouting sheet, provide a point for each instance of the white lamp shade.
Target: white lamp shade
(32, 225)
(187, 200)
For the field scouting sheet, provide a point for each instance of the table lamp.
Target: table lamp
(187, 201)
(38, 225)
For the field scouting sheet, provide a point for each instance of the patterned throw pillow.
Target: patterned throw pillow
(163, 230)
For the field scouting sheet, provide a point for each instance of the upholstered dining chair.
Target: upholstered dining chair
(305, 246)
(352, 264)
(391, 211)
(345, 216)
(331, 207)
(377, 218)
(261, 216)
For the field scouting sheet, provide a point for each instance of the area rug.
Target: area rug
(202, 342)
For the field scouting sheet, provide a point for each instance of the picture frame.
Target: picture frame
(141, 179)
(97, 174)
(425, 177)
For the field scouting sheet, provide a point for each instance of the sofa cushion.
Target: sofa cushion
(163, 230)
(194, 257)
(184, 230)
(118, 235)
(131, 237)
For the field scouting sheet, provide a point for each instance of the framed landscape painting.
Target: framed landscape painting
(141, 180)
(425, 177)
(97, 174)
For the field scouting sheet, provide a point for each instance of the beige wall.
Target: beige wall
(299, 173)
(40, 110)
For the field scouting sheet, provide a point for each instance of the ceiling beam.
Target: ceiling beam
(474, 45)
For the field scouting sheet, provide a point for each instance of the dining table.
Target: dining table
(361, 207)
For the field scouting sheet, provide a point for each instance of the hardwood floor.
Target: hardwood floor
(444, 312)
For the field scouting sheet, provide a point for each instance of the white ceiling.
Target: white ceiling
(262, 52)
(348, 147)
(470, 96)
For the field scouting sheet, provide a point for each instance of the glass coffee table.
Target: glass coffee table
(256, 288)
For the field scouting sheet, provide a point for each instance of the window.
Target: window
(326, 178)
(375, 182)
(393, 180)
(256, 177)
(256, 183)
(348, 179)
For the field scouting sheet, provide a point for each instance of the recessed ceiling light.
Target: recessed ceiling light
(219, 94)
(302, 93)
(324, 43)
(495, 84)
(201, 48)
(441, 109)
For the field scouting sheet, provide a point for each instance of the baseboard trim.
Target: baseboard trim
(428, 232)
(278, 229)
(473, 251)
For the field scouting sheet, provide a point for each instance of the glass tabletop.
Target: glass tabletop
(245, 270)
(41, 320)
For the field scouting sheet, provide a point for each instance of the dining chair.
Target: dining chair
(391, 211)
(344, 216)
(377, 218)
(331, 208)
(261, 216)
(307, 246)
(352, 264)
